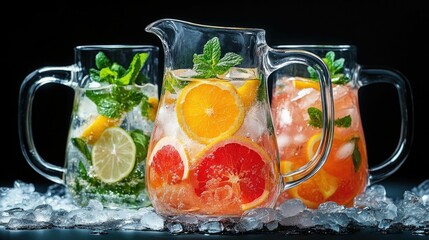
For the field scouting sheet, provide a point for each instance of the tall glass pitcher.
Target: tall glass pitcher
(213, 150)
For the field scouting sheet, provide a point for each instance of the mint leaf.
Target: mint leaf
(81, 145)
(210, 64)
(142, 142)
(127, 98)
(109, 108)
(336, 69)
(343, 122)
(113, 104)
(316, 119)
(102, 61)
(356, 156)
(133, 70)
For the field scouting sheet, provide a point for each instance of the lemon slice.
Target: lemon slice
(113, 155)
(96, 128)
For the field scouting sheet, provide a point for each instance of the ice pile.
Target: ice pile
(21, 207)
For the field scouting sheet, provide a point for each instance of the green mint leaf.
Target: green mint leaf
(316, 117)
(145, 107)
(329, 59)
(127, 98)
(107, 75)
(338, 66)
(343, 122)
(94, 74)
(313, 73)
(102, 61)
(211, 51)
(118, 69)
(229, 60)
(209, 64)
(109, 107)
(336, 69)
(356, 156)
(142, 142)
(81, 145)
(133, 70)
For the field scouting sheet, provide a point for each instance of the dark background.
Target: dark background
(387, 34)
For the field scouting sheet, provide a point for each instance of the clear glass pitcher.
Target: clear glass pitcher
(213, 150)
(115, 102)
(296, 110)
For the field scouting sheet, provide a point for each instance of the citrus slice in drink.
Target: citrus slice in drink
(209, 110)
(233, 170)
(96, 128)
(312, 145)
(113, 155)
(153, 107)
(313, 191)
(168, 162)
(301, 83)
(248, 92)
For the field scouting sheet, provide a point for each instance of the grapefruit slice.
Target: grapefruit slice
(168, 162)
(233, 170)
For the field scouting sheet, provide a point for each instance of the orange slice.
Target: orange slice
(315, 190)
(153, 107)
(209, 110)
(248, 92)
(312, 145)
(233, 170)
(301, 83)
(97, 127)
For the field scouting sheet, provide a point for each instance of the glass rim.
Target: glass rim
(115, 47)
(208, 26)
(316, 46)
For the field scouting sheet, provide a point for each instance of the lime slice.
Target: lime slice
(113, 155)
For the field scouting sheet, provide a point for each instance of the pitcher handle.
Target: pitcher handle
(370, 75)
(280, 58)
(33, 81)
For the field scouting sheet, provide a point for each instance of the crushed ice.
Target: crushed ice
(22, 207)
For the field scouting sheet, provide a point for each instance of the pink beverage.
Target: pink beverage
(298, 116)
(345, 173)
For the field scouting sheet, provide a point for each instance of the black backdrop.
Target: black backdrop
(387, 33)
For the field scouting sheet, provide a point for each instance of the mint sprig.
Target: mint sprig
(113, 73)
(120, 99)
(316, 118)
(210, 64)
(336, 69)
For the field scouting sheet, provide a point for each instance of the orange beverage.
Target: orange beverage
(295, 108)
(212, 150)
(297, 115)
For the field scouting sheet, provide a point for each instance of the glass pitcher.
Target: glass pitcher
(115, 102)
(213, 151)
(296, 114)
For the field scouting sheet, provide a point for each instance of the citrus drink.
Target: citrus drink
(108, 154)
(109, 135)
(212, 150)
(295, 107)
